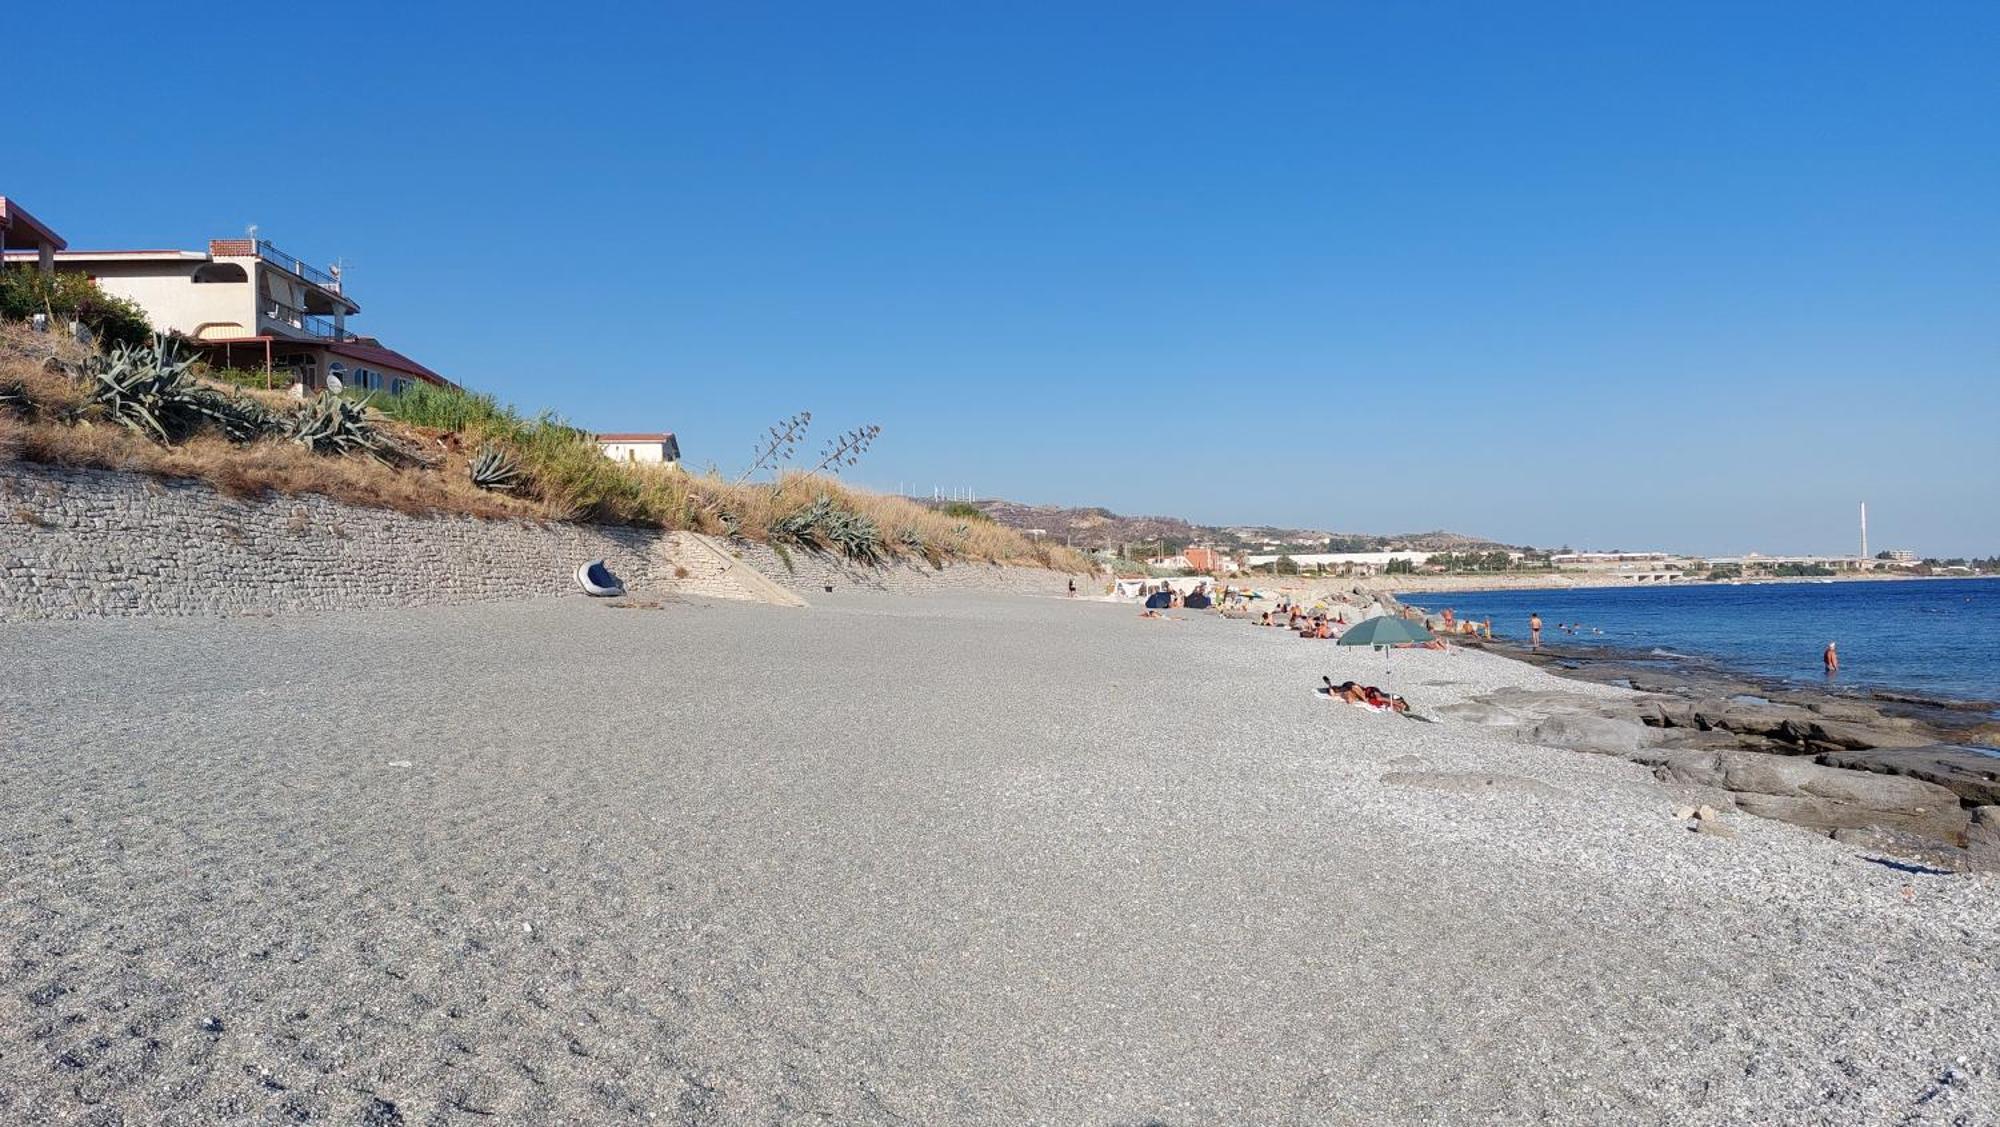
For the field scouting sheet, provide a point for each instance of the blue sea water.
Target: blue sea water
(1933, 638)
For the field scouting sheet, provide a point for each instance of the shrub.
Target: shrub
(26, 291)
(251, 379)
(965, 510)
(457, 412)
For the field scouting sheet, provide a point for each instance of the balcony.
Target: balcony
(318, 277)
(309, 324)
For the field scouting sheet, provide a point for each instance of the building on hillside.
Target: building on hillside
(34, 239)
(653, 449)
(1364, 563)
(248, 304)
(1209, 561)
(1176, 562)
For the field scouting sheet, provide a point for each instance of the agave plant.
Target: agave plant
(494, 469)
(151, 389)
(332, 424)
(823, 523)
(805, 525)
(854, 534)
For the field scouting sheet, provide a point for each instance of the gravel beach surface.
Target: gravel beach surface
(956, 859)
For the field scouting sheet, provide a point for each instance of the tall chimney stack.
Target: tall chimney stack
(1864, 530)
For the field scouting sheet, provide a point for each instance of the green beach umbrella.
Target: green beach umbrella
(1386, 630)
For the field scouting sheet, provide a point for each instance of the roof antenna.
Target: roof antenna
(251, 231)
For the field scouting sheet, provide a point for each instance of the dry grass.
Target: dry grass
(49, 420)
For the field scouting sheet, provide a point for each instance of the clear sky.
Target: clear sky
(1613, 275)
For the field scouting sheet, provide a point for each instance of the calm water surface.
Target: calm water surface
(1938, 638)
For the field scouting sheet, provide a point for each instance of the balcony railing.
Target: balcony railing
(311, 324)
(297, 265)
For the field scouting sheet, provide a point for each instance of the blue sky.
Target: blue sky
(1694, 276)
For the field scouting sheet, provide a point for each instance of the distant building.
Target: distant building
(652, 449)
(1902, 555)
(1608, 557)
(1367, 562)
(247, 304)
(1209, 561)
(22, 232)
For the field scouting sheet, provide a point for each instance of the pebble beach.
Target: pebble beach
(954, 859)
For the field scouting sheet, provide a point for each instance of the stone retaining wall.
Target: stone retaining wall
(83, 543)
(78, 543)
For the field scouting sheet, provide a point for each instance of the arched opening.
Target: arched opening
(220, 272)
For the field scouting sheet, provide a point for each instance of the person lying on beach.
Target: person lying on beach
(1266, 620)
(1353, 692)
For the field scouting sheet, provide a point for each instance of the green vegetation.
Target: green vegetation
(427, 450)
(1400, 566)
(64, 297)
(965, 510)
(151, 389)
(1797, 569)
(494, 470)
(1473, 561)
(249, 379)
(333, 425)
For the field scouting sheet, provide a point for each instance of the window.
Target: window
(398, 386)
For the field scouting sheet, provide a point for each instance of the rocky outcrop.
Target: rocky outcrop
(1825, 798)
(1599, 735)
(1836, 766)
(1975, 778)
(1834, 727)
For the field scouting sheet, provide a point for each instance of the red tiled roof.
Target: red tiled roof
(373, 354)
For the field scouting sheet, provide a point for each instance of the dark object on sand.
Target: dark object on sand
(1198, 601)
(1385, 631)
(597, 580)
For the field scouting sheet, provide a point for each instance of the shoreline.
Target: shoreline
(1565, 659)
(1569, 581)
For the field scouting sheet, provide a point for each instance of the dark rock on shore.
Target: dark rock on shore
(1837, 765)
(1972, 776)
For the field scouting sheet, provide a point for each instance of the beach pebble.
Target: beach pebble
(1706, 813)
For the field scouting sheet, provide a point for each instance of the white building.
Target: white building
(247, 304)
(652, 449)
(1335, 559)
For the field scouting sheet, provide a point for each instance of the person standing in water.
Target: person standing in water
(1832, 659)
(1535, 630)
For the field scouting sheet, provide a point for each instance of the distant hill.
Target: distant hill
(1101, 528)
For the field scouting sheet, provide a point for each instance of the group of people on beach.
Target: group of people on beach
(1449, 623)
(1165, 598)
(1306, 624)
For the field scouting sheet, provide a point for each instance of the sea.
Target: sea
(1932, 638)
